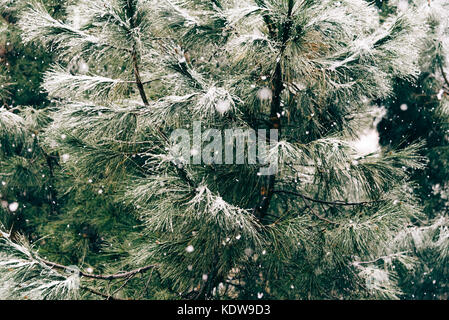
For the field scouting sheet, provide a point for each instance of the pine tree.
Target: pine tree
(22, 65)
(419, 110)
(130, 72)
(30, 171)
(27, 170)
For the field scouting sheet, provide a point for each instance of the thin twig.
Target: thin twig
(100, 276)
(331, 203)
(316, 214)
(123, 285)
(446, 79)
(381, 258)
(98, 293)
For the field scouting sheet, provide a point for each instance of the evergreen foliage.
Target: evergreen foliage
(138, 222)
(419, 110)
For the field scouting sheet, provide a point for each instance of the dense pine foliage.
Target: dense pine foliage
(97, 203)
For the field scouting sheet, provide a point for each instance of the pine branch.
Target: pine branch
(446, 79)
(138, 78)
(182, 172)
(399, 254)
(51, 160)
(119, 275)
(145, 101)
(98, 293)
(267, 19)
(122, 285)
(196, 231)
(331, 203)
(312, 210)
(135, 58)
(277, 84)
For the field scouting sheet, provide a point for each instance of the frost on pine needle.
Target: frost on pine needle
(129, 73)
(4, 84)
(213, 101)
(62, 84)
(25, 276)
(378, 280)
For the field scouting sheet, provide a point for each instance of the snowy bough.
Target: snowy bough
(424, 105)
(130, 72)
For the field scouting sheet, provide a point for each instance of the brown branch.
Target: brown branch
(446, 79)
(135, 60)
(182, 172)
(330, 203)
(98, 293)
(121, 275)
(123, 285)
(277, 84)
(139, 83)
(381, 258)
(138, 78)
(323, 218)
(316, 214)
(100, 276)
(144, 98)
